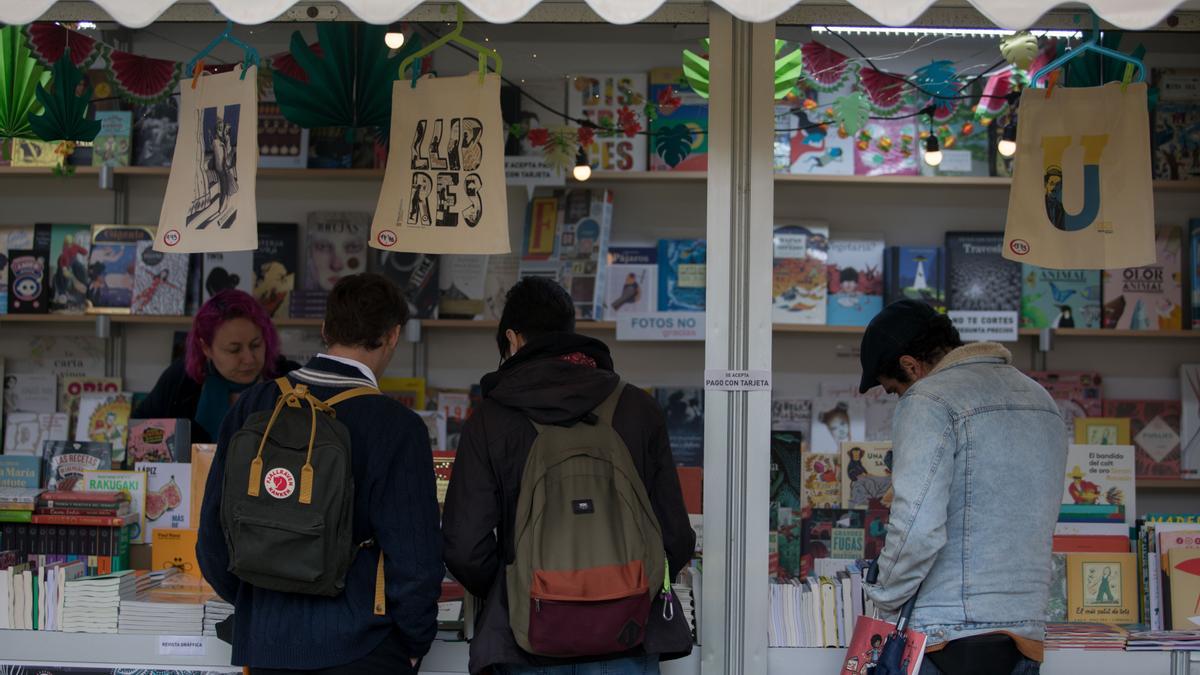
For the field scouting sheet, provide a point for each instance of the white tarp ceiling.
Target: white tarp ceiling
(1011, 14)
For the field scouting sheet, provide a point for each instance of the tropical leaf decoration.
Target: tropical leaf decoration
(1019, 49)
(788, 70)
(695, 70)
(939, 80)
(673, 143)
(49, 41)
(825, 69)
(64, 116)
(349, 84)
(20, 76)
(852, 112)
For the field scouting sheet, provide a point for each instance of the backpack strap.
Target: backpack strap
(349, 394)
(607, 410)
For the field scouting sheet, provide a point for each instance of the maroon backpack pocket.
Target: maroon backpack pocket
(589, 612)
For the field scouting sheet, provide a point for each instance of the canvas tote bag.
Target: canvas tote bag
(210, 204)
(1082, 196)
(444, 187)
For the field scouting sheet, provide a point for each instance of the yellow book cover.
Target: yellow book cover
(408, 390)
(1102, 431)
(202, 459)
(1185, 588)
(1102, 587)
(175, 548)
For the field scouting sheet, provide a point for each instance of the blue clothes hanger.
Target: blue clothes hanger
(250, 53)
(1091, 45)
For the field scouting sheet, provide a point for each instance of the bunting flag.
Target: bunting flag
(825, 69)
(885, 92)
(48, 42)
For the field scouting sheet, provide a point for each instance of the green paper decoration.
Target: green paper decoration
(673, 143)
(1019, 49)
(695, 70)
(350, 85)
(852, 111)
(788, 70)
(561, 148)
(64, 116)
(20, 76)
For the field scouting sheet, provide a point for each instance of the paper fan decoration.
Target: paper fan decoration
(884, 92)
(64, 108)
(938, 80)
(286, 64)
(994, 101)
(825, 69)
(142, 79)
(20, 77)
(48, 42)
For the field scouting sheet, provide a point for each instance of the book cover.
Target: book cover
(131, 483)
(1102, 587)
(855, 273)
(112, 262)
(503, 270)
(70, 388)
(168, 504)
(680, 115)
(1150, 297)
(792, 414)
(866, 475)
(10, 238)
(35, 153)
(416, 275)
(799, 286)
(69, 278)
(1102, 431)
(435, 425)
(978, 277)
(159, 282)
(1154, 428)
(1059, 298)
(804, 146)
(104, 418)
(28, 281)
(281, 143)
(917, 273)
(175, 548)
(837, 421)
(888, 147)
(822, 480)
(202, 459)
(443, 468)
(1078, 394)
(335, 246)
(159, 440)
(683, 408)
(612, 100)
(1194, 266)
(456, 406)
(1175, 118)
(867, 642)
(462, 283)
(816, 537)
(682, 272)
(63, 462)
(1189, 382)
(875, 526)
(155, 128)
(275, 264)
(30, 392)
(113, 146)
(408, 390)
(26, 433)
(585, 223)
(541, 228)
(20, 471)
(228, 269)
(1185, 588)
(787, 449)
(1100, 476)
(632, 281)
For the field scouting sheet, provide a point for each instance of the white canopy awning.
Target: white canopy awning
(1011, 14)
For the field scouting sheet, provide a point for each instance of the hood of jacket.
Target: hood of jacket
(546, 382)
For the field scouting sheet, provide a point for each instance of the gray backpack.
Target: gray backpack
(288, 500)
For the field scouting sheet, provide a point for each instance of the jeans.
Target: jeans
(1024, 667)
(641, 665)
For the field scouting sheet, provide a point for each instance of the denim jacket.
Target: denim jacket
(979, 455)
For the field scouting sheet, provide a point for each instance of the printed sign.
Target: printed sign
(737, 380)
(532, 172)
(180, 645)
(671, 326)
(985, 326)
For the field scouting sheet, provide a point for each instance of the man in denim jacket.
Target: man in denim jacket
(979, 459)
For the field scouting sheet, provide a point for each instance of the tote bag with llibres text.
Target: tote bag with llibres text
(1082, 196)
(444, 186)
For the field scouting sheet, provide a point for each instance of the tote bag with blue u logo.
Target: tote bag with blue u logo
(1082, 195)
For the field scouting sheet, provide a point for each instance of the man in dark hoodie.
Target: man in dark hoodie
(552, 376)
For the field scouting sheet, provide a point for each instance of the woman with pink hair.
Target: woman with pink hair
(231, 346)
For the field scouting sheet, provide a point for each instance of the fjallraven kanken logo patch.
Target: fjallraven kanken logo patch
(280, 483)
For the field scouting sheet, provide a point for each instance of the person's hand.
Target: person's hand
(414, 662)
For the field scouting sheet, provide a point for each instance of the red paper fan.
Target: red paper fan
(142, 79)
(885, 92)
(994, 102)
(825, 68)
(48, 40)
(286, 64)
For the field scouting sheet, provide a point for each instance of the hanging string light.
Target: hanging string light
(933, 152)
(394, 38)
(583, 166)
(1007, 147)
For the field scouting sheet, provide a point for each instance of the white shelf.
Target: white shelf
(1058, 662)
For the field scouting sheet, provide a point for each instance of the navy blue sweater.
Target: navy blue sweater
(394, 501)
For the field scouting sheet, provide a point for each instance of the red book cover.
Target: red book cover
(69, 496)
(691, 482)
(98, 521)
(867, 643)
(1074, 543)
(102, 513)
(1154, 430)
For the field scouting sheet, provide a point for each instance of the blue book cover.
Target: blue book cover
(683, 408)
(20, 471)
(114, 144)
(681, 275)
(855, 269)
(917, 273)
(1059, 298)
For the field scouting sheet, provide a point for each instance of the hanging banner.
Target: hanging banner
(210, 205)
(444, 190)
(1082, 196)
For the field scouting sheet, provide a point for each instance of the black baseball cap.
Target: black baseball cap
(888, 333)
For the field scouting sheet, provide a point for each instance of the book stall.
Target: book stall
(152, 158)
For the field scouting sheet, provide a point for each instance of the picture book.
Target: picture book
(916, 273)
(684, 411)
(281, 143)
(71, 388)
(113, 146)
(1189, 382)
(803, 146)
(456, 406)
(159, 282)
(584, 226)
(168, 504)
(155, 128)
(822, 487)
(1194, 266)
(15, 233)
(541, 228)
(202, 459)
(855, 272)
(408, 390)
(276, 262)
(33, 152)
(69, 275)
(443, 468)
(1102, 431)
(228, 269)
(112, 262)
(104, 418)
(31, 392)
(335, 246)
(817, 534)
(63, 462)
(867, 639)
(632, 281)
(20, 471)
(1175, 118)
(978, 278)
(888, 147)
(503, 270)
(1150, 297)
(612, 100)
(1102, 587)
(159, 440)
(132, 483)
(1185, 588)
(462, 282)
(1059, 298)
(1154, 428)
(799, 286)
(28, 281)
(681, 115)
(837, 421)
(792, 414)
(416, 275)
(1099, 485)
(175, 548)
(682, 275)
(26, 433)
(1078, 394)
(786, 499)
(866, 475)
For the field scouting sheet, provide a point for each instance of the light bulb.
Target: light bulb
(933, 154)
(583, 167)
(394, 40)
(1007, 147)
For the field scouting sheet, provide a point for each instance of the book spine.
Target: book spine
(48, 504)
(103, 513)
(107, 521)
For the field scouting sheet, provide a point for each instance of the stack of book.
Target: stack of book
(216, 610)
(92, 604)
(1089, 636)
(818, 611)
(16, 504)
(163, 611)
(1157, 641)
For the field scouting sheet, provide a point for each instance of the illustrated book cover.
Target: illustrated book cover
(159, 282)
(1100, 484)
(1150, 297)
(855, 272)
(1154, 429)
(682, 275)
(632, 281)
(276, 263)
(1059, 298)
(917, 273)
(799, 285)
(978, 277)
(866, 475)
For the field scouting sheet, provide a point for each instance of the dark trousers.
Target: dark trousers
(386, 659)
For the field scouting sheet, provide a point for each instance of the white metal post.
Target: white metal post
(733, 620)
